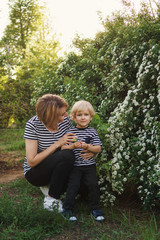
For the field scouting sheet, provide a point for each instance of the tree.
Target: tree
(41, 62)
(25, 16)
(27, 49)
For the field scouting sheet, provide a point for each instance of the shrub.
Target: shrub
(119, 73)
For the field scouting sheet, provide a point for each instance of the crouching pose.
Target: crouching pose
(45, 163)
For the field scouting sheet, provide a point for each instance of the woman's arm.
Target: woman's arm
(34, 158)
(90, 151)
(72, 145)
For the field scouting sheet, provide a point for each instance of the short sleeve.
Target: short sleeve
(30, 131)
(96, 140)
(65, 125)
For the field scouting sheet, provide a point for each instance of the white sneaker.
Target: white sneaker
(51, 203)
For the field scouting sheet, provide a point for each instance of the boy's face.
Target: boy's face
(82, 118)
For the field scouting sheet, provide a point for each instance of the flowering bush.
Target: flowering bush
(133, 136)
(119, 73)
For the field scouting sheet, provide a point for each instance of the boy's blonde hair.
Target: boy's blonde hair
(81, 106)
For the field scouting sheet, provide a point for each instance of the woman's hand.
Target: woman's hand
(86, 155)
(66, 139)
(34, 158)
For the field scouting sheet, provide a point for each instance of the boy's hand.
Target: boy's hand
(84, 145)
(78, 144)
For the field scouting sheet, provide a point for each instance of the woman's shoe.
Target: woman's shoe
(51, 203)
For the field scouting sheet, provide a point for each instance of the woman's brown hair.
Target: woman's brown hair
(47, 108)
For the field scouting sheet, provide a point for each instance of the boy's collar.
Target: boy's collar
(81, 128)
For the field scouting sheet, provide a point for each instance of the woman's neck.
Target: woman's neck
(53, 129)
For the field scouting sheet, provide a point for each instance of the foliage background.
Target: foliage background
(118, 72)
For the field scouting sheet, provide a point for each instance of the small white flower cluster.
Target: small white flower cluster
(133, 137)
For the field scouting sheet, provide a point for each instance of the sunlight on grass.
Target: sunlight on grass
(12, 140)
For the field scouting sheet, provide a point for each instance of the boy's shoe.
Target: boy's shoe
(68, 215)
(98, 215)
(51, 203)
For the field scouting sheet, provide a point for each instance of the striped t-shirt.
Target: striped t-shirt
(88, 135)
(36, 130)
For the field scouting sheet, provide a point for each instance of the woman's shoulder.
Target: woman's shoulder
(66, 122)
(67, 119)
(34, 121)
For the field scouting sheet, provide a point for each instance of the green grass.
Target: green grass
(12, 140)
(22, 215)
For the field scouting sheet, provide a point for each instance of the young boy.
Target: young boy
(82, 113)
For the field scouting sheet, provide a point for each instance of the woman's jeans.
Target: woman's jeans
(54, 170)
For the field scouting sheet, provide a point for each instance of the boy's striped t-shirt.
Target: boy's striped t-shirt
(88, 135)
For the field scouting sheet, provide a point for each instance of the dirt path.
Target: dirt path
(11, 175)
(10, 167)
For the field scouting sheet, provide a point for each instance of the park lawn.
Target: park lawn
(12, 140)
(22, 215)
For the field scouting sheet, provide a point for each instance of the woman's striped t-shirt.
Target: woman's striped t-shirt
(88, 135)
(36, 130)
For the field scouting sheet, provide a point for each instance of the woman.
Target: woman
(45, 163)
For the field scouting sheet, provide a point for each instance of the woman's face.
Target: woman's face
(62, 114)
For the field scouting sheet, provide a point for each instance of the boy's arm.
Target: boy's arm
(91, 148)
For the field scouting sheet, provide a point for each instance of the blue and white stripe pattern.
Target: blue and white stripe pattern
(88, 135)
(36, 130)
